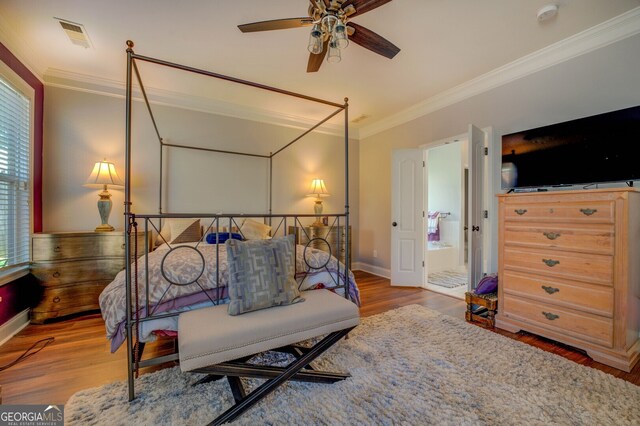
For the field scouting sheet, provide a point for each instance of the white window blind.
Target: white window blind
(15, 176)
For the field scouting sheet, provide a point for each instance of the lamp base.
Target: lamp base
(317, 208)
(104, 228)
(104, 208)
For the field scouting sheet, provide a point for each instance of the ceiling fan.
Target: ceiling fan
(332, 29)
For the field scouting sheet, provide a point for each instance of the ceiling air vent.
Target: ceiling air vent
(360, 118)
(76, 32)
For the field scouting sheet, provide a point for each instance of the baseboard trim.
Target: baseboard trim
(13, 326)
(372, 269)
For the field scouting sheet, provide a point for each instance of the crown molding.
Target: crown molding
(102, 86)
(20, 49)
(615, 29)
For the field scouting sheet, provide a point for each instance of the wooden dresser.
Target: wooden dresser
(334, 235)
(74, 268)
(569, 270)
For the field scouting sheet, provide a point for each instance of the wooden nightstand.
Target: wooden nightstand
(332, 234)
(74, 268)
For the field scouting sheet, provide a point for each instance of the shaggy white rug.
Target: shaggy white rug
(409, 366)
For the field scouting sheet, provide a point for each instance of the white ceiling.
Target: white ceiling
(444, 43)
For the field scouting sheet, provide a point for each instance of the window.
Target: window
(15, 173)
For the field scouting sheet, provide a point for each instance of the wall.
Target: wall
(82, 128)
(603, 80)
(444, 169)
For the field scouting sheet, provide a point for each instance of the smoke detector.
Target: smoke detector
(547, 12)
(76, 32)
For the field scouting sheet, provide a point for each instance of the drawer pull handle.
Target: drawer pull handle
(550, 316)
(56, 299)
(56, 274)
(550, 290)
(123, 245)
(520, 212)
(57, 249)
(551, 235)
(588, 212)
(550, 262)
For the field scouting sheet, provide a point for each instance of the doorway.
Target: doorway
(446, 194)
(465, 229)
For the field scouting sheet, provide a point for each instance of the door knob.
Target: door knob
(394, 224)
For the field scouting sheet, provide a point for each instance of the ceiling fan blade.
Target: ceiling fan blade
(372, 41)
(363, 6)
(316, 60)
(276, 24)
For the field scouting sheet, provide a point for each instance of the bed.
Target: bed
(146, 298)
(181, 265)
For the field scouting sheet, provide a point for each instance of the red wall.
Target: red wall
(18, 67)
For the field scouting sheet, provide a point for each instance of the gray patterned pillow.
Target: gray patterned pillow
(261, 274)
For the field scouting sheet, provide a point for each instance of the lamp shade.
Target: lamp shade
(318, 189)
(104, 173)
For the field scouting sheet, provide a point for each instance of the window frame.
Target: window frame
(13, 272)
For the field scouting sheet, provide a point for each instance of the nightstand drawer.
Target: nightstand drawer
(592, 298)
(68, 272)
(65, 300)
(575, 212)
(591, 268)
(585, 238)
(72, 246)
(588, 327)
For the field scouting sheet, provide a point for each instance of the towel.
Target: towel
(433, 226)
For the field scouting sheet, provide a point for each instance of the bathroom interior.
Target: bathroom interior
(446, 236)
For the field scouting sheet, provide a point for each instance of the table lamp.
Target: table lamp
(103, 174)
(318, 190)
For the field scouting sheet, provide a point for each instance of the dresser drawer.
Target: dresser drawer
(586, 238)
(592, 268)
(595, 299)
(68, 272)
(66, 300)
(575, 212)
(61, 246)
(582, 325)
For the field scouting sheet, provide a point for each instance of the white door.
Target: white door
(407, 230)
(476, 197)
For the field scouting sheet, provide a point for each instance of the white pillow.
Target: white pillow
(254, 230)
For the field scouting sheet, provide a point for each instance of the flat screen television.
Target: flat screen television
(601, 148)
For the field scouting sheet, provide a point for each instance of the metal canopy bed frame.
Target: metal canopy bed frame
(133, 308)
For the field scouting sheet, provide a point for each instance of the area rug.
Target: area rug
(409, 366)
(448, 279)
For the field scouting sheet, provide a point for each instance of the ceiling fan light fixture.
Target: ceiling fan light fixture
(333, 55)
(340, 35)
(315, 40)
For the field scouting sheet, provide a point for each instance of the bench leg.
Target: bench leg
(270, 385)
(268, 372)
(236, 388)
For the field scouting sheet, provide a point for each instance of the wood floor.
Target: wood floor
(80, 358)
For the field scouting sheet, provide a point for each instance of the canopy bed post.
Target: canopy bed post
(346, 194)
(270, 185)
(160, 183)
(127, 216)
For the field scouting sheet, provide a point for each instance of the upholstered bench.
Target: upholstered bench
(218, 344)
